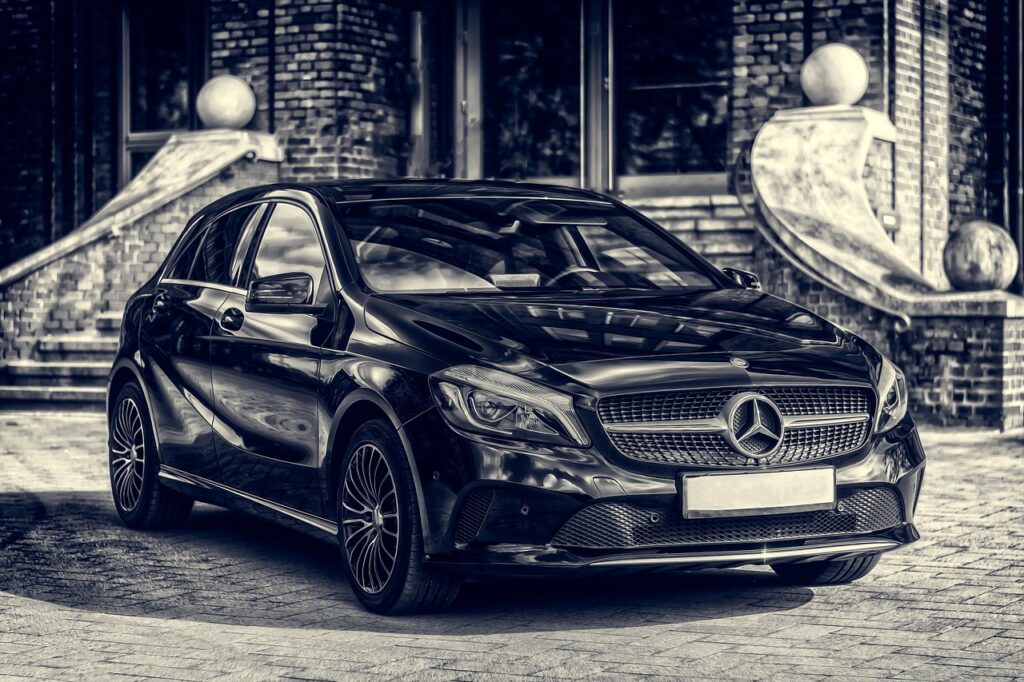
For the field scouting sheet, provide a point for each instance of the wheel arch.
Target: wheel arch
(359, 407)
(122, 373)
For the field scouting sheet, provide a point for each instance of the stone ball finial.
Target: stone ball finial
(834, 74)
(980, 256)
(225, 101)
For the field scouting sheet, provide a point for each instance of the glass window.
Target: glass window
(218, 256)
(185, 255)
(671, 69)
(531, 77)
(289, 244)
(158, 65)
(514, 244)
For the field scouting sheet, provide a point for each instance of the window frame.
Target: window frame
(210, 224)
(130, 140)
(703, 265)
(254, 244)
(598, 151)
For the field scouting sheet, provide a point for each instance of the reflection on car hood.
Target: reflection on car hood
(584, 334)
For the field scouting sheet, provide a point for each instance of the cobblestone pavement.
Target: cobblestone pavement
(231, 597)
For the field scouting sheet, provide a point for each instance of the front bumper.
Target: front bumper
(498, 508)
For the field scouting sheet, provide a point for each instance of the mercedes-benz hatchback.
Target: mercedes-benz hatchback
(458, 378)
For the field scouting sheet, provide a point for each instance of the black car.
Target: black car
(466, 378)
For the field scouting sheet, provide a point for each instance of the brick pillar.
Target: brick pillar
(340, 98)
(935, 139)
(907, 110)
(920, 93)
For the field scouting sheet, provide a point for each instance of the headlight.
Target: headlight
(494, 402)
(892, 391)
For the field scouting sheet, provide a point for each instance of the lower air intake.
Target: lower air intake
(622, 525)
(471, 518)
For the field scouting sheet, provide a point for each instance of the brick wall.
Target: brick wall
(56, 125)
(967, 371)
(239, 45)
(967, 115)
(716, 226)
(934, 139)
(878, 176)
(962, 370)
(66, 295)
(768, 49)
(340, 99)
(24, 128)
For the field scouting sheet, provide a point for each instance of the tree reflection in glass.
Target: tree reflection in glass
(672, 75)
(531, 89)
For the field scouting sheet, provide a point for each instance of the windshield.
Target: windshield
(500, 244)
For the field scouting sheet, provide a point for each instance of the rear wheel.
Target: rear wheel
(379, 528)
(139, 498)
(827, 572)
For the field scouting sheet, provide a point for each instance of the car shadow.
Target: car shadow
(70, 550)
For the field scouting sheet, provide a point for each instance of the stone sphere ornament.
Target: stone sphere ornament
(226, 101)
(980, 256)
(834, 74)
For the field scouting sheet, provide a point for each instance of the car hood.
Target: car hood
(618, 340)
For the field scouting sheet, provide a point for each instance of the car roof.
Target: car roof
(377, 190)
(341, 191)
(353, 191)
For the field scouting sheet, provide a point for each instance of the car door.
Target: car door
(174, 337)
(265, 370)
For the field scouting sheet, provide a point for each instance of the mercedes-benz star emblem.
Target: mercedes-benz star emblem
(754, 425)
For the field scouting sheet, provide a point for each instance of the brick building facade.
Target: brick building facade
(338, 82)
(653, 101)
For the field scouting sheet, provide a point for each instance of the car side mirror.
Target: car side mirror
(291, 292)
(747, 280)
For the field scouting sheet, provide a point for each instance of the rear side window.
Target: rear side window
(185, 255)
(216, 261)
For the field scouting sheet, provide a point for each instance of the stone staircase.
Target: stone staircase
(57, 334)
(66, 371)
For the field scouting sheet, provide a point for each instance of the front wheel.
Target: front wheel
(379, 528)
(139, 498)
(827, 572)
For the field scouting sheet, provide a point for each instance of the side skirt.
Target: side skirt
(239, 500)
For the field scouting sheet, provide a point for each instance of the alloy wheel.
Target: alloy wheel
(128, 454)
(370, 518)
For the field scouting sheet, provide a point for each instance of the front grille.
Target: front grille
(704, 404)
(471, 518)
(622, 525)
(711, 449)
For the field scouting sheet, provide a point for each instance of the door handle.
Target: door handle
(160, 303)
(232, 319)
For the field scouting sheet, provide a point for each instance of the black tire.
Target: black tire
(827, 572)
(411, 586)
(142, 502)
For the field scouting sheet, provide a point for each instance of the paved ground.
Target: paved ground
(235, 598)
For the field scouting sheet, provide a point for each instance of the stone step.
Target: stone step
(55, 373)
(77, 347)
(52, 397)
(108, 323)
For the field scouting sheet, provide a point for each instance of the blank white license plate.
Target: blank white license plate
(758, 493)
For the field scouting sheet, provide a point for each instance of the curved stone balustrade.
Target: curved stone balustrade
(807, 168)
